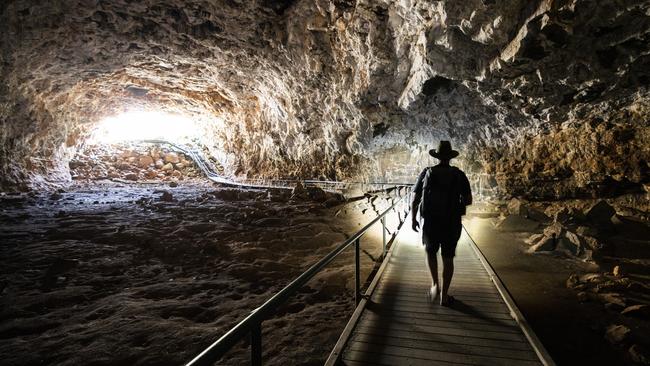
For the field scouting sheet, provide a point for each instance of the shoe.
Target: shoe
(433, 293)
(447, 302)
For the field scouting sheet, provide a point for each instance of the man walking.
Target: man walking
(442, 192)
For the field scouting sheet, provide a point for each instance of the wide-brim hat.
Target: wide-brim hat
(444, 151)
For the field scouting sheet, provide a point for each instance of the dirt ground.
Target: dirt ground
(150, 275)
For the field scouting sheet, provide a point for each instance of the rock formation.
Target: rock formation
(546, 98)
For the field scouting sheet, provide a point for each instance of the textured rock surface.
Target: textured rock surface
(547, 98)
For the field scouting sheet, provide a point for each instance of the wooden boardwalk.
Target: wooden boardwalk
(398, 325)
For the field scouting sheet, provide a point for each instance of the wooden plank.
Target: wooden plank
(465, 295)
(439, 356)
(476, 350)
(461, 304)
(389, 360)
(430, 331)
(427, 316)
(439, 309)
(446, 338)
(444, 323)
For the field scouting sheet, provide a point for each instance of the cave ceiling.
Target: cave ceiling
(321, 89)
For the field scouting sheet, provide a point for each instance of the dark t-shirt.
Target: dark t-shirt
(448, 178)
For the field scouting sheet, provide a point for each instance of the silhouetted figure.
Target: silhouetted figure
(444, 192)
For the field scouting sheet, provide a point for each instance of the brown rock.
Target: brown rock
(177, 173)
(167, 197)
(145, 161)
(151, 174)
(601, 213)
(639, 354)
(616, 334)
(172, 157)
(131, 176)
(517, 207)
(639, 311)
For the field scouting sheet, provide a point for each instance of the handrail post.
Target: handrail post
(256, 345)
(383, 234)
(357, 270)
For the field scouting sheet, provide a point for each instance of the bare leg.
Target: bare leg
(447, 274)
(432, 262)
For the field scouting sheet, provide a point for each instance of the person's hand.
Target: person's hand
(415, 225)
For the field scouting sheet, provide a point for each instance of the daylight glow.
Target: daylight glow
(137, 125)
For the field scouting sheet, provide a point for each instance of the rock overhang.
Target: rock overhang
(299, 86)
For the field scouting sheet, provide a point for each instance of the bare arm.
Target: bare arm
(417, 197)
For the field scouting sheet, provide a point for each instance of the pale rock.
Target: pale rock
(556, 230)
(544, 245)
(167, 167)
(639, 311)
(533, 239)
(177, 174)
(172, 157)
(159, 164)
(617, 334)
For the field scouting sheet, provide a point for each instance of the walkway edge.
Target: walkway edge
(337, 351)
(537, 345)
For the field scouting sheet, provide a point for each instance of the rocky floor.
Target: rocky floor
(601, 249)
(151, 275)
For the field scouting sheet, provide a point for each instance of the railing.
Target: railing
(252, 324)
(209, 171)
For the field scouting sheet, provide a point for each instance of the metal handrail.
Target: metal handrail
(252, 323)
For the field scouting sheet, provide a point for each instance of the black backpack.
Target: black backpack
(441, 192)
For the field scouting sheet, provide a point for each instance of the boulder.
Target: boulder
(151, 174)
(131, 176)
(546, 244)
(638, 311)
(534, 239)
(172, 157)
(571, 243)
(639, 354)
(600, 213)
(538, 215)
(166, 197)
(145, 161)
(556, 230)
(616, 334)
(517, 207)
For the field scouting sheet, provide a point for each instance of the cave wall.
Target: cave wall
(543, 98)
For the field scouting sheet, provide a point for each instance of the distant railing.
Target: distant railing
(209, 171)
(252, 324)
